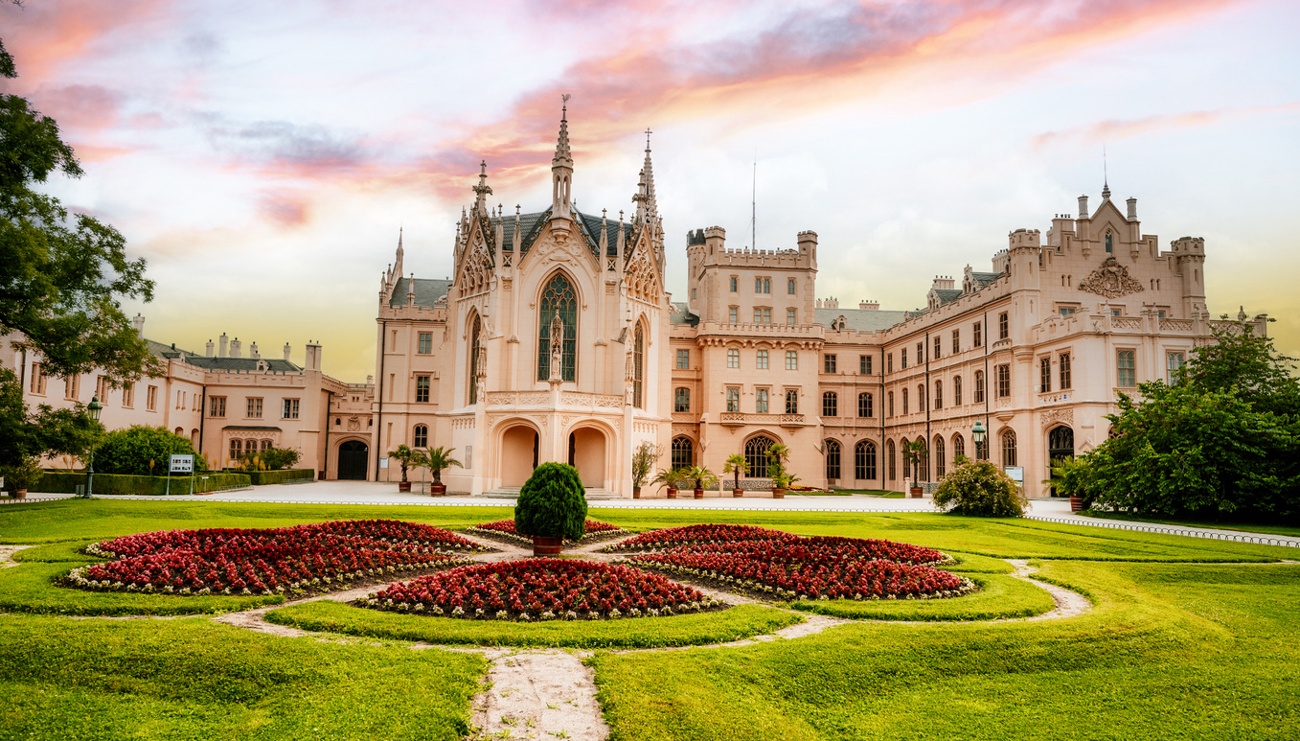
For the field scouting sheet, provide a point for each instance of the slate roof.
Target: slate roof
(171, 352)
(860, 320)
(530, 227)
(591, 225)
(681, 314)
(947, 294)
(427, 292)
(983, 279)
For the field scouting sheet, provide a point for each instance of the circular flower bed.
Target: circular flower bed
(540, 589)
(505, 530)
(786, 566)
(266, 561)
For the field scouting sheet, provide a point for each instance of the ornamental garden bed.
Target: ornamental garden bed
(304, 558)
(504, 530)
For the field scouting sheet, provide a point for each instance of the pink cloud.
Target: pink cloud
(1114, 129)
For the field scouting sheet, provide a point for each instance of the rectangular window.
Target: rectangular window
(1004, 381)
(1173, 367)
(902, 358)
(733, 314)
(956, 341)
(683, 359)
(904, 401)
(762, 315)
(71, 387)
(792, 401)
(1160, 314)
(891, 403)
(289, 409)
(920, 353)
(682, 400)
(889, 363)
(979, 387)
(977, 335)
(760, 361)
(151, 399)
(790, 286)
(38, 379)
(254, 408)
(1067, 310)
(956, 391)
(426, 343)
(1127, 366)
(1117, 312)
(1004, 326)
(101, 389)
(422, 389)
(938, 394)
(733, 399)
(829, 362)
(792, 360)
(216, 406)
(128, 395)
(1044, 375)
(760, 401)
(1066, 380)
(830, 404)
(864, 365)
(733, 358)
(791, 317)
(735, 284)
(762, 285)
(865, 405)
(938, 348)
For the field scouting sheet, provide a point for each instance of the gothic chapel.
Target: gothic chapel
(548, 344)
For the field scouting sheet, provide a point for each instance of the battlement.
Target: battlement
(1189, 246)
(1024, 238)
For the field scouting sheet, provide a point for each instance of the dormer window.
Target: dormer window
(1109, 244)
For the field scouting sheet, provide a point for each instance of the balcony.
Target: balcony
(742, 418)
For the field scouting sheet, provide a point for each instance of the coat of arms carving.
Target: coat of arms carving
(1110, 280)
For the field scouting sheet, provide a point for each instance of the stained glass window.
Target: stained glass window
(558, 297)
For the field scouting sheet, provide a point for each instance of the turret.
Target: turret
(562, 170)
(1189, 256)
(1024, 249)
(808, 247)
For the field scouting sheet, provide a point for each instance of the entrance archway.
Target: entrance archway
(353, 460)
(518, 455)
(587, 454)
(1060, 445)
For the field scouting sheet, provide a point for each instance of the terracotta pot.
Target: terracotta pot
(699, 493)
(917, 492)
(403, 485)
(737, 492)
(1076, 504)
(778, 493)
(437, 490)
(545, 545)
(636, 492)
(672, 493)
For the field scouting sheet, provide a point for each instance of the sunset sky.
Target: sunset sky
(263, 155)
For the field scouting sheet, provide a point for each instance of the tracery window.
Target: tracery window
(864, 460)
(832, 459)
(683, 452)
(559, 298)
(756, 456)
(940, 466)
(638, 367)
(1009, 448)
(475, 344)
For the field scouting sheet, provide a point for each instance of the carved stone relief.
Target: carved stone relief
(1110, 280)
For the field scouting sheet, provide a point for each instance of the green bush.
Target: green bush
(552, 503)
(271, 459)
(142, 451)
(66, 482)
(979, 488)
(262, 478)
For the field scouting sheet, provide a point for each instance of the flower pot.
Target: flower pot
(778, 493)
(636, 492)
(699, 493)
(437, 490)
(672, 493)
(545, 545)
(916, 492)
(403, 485)
(20, 493)
(737, 492)
(1076, 504)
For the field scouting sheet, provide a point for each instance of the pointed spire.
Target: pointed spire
(604, 234)
(482, 190)
(400, 251)
(562, 168)
(518, 238)
(1105, 176)
(646, 207)
(620, 240)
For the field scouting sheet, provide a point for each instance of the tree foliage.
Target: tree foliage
(979, 488)
(552, 503)
(143, 451)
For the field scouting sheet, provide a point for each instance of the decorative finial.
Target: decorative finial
(564, 107)
(647, 138)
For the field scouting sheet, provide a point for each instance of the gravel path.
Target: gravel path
(1068, 603)
(7, 552)
(540, 694)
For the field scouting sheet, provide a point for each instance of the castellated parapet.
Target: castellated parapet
(1024, 238)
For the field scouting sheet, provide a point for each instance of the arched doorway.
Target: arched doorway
(587, 454)
(518, 455)
(1060, 445)
(353, 458)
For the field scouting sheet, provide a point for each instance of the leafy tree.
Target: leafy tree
(643, 461)
(552, 503)
(405, 456)
(18, 436)
(142, 451)
(736, 465)
(67, 431)
(979, 488)
(437, 460)
(1242, 361)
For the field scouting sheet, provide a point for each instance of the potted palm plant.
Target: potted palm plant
(1068, 478)
(914, 452)
(778, 454)
(437, 460)
(703, 478)
(736, 464)
(552, 506)
(403, 455)
(643, 460)
(668, 478)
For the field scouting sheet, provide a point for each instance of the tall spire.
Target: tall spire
(646, 207)
(1105, 176)
(400, 252)
(482, 190)
(562, 167)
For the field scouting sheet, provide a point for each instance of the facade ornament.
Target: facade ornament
(1110, 280)
(557, 348)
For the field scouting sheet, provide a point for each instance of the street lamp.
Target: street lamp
(94, 408)
(977, 433)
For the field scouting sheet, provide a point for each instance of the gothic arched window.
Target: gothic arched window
(558, 299)
(889, 457)
(420, 437)
(864, 460)
(756, 456)
(1009, 448)
(832, 459)
(638, 367)
(683, 452)
(475, 344)
(940, 465)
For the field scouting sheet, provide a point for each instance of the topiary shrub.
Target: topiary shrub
(143, 451)
(552, 503)
(979, 488)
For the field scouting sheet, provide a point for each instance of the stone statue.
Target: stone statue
(557, 347)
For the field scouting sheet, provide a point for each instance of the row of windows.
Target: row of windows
(762, 359)
(764, 285)
(830, 401)
(977, 340)
(762, 315)
(831, 363)
(289, 408)
(239, 448)
(72, 389)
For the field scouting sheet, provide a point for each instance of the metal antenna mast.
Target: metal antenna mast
(753, 207)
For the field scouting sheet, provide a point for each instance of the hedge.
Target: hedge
(260, 478)
(66, 482)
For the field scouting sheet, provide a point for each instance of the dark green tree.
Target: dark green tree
(1242, 361)
(552, 503)
(67, 431)
(979, 488)
(142, 451)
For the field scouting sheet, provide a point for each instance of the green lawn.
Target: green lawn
(1269, 528)
(1188, 638)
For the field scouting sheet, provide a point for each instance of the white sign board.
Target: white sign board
(1016, 474)
(182, 464)
(383, 463)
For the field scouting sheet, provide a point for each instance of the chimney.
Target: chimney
(1083, 207)
(222, 343)
(943, 282)
(869, 305)
(211, 349)
(287, 350)
(1132, 209)
(138, 321)
(236, 348)
(313, 355)
(252, 351)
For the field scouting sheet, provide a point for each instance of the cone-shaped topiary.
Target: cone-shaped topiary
(552, 503)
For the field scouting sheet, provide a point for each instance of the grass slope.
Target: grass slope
(999, 597)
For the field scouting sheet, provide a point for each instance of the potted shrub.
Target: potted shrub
(778, 454)
(403, 455)
(668, 478)
(643, 460)
(1068, 478)
(437, 460)
(914, 453)
(703, 478)
(22, 476)
(552, 506)
(736, 464)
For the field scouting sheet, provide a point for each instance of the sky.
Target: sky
(262, 157)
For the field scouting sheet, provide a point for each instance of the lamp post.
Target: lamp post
(977, 433)
(94, 408)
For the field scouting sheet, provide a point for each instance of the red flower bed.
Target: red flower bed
(266, 561)
(505, 530)
(540, 589)
(691, 534)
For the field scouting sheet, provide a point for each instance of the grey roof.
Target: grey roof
(427, 292)
(681, 314)
(591, 225)
(947, 294)
(860, 320)
(983, 279)
(528, 228)
(171, 352)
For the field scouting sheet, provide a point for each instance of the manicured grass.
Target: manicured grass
(1170, 651)
(731, 624)
(30, 587)
(999, 597)
(194, 679)
(879, 493)
(1267, 528)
